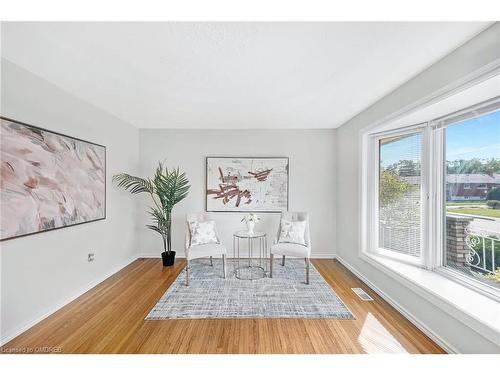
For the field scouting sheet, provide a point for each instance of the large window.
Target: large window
(433, 195)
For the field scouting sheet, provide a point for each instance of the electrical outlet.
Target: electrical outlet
(91, 257)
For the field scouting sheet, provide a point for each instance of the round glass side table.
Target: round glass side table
(254, 266)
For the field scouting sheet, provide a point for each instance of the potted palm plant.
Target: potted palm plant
(166, 188)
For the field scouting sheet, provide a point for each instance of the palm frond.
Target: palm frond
(134, 184)
(156, 229)
(160, 217)
(171, 186)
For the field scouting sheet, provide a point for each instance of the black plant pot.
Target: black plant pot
(168, 259)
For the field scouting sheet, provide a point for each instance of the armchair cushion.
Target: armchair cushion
(202, 251)
(291, 249)
(292, 232)
(203, 232)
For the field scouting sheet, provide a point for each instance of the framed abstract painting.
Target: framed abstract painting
(247, 184)
(48, 180)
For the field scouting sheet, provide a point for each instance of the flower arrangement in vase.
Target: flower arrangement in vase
(250, 220)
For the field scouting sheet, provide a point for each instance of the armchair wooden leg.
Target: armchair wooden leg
(283, 261)
(307, 271)
(271, 266)
(187, 273)
(211, 262)
(224, 266)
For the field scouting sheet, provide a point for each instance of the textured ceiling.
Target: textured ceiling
(231, 75)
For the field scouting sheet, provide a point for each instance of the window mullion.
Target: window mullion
(426, 222)
(435, 216)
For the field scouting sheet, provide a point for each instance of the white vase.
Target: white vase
(250, 226)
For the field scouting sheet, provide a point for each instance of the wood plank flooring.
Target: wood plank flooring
(110, 319)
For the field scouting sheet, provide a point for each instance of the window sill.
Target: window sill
(477, 311)
(469, 282)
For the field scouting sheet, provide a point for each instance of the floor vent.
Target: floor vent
(362, 294)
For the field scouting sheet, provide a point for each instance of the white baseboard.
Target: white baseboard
(49, 311)
(391, 301)
(157, 255)
(323, 255)
(182, 255)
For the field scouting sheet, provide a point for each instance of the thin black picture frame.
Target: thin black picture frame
(248, 157)
(76, 139)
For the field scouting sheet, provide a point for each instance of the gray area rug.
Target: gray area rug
(286, 295)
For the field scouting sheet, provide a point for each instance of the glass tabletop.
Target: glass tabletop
(245, 234)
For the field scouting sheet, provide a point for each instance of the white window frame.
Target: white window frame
(373, 190)
(438, 245)
(433, 195)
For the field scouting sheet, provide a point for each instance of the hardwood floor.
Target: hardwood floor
(110, 319)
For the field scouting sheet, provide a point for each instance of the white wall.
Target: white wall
(42, 271)
(474, 55)
(312, 178)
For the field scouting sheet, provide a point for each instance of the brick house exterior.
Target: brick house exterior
(463, 187)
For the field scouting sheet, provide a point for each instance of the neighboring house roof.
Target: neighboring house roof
(478, 178)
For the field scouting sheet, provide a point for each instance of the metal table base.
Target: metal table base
(250, 268)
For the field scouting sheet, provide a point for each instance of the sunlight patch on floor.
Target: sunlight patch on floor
(375, 338)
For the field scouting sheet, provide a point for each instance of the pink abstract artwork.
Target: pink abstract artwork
(48, 180)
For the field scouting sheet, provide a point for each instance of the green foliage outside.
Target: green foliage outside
(392, 187)
(478, 204)
(493, 204)
(495, 276)
(405, 168)
(472, 166)
(487, 212)
(493, 194)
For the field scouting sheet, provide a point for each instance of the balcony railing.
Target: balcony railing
(483, 249)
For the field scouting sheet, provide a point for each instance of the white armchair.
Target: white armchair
(202, 251)
(292, 249)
